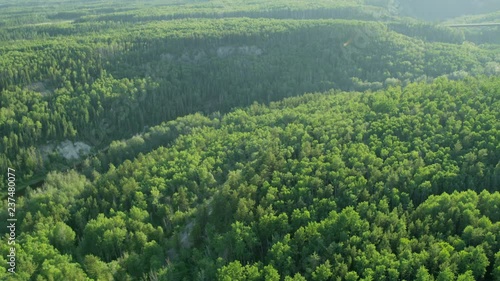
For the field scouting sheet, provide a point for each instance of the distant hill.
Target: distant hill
(283, 140)
(440, 10)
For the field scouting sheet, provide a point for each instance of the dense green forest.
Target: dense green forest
(251, 140)
(69, 82)
(490, 35)
(392, 185)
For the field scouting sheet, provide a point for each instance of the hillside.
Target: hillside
(483, 35)
(249, 140)
(396, 184)
(94, 87)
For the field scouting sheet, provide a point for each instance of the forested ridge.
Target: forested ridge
(392, 185)
(74, 86)
(489, 35)
(251, 140)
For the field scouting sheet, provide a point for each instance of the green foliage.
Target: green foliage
(399, 182)
(336, 185)
(100, 78)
